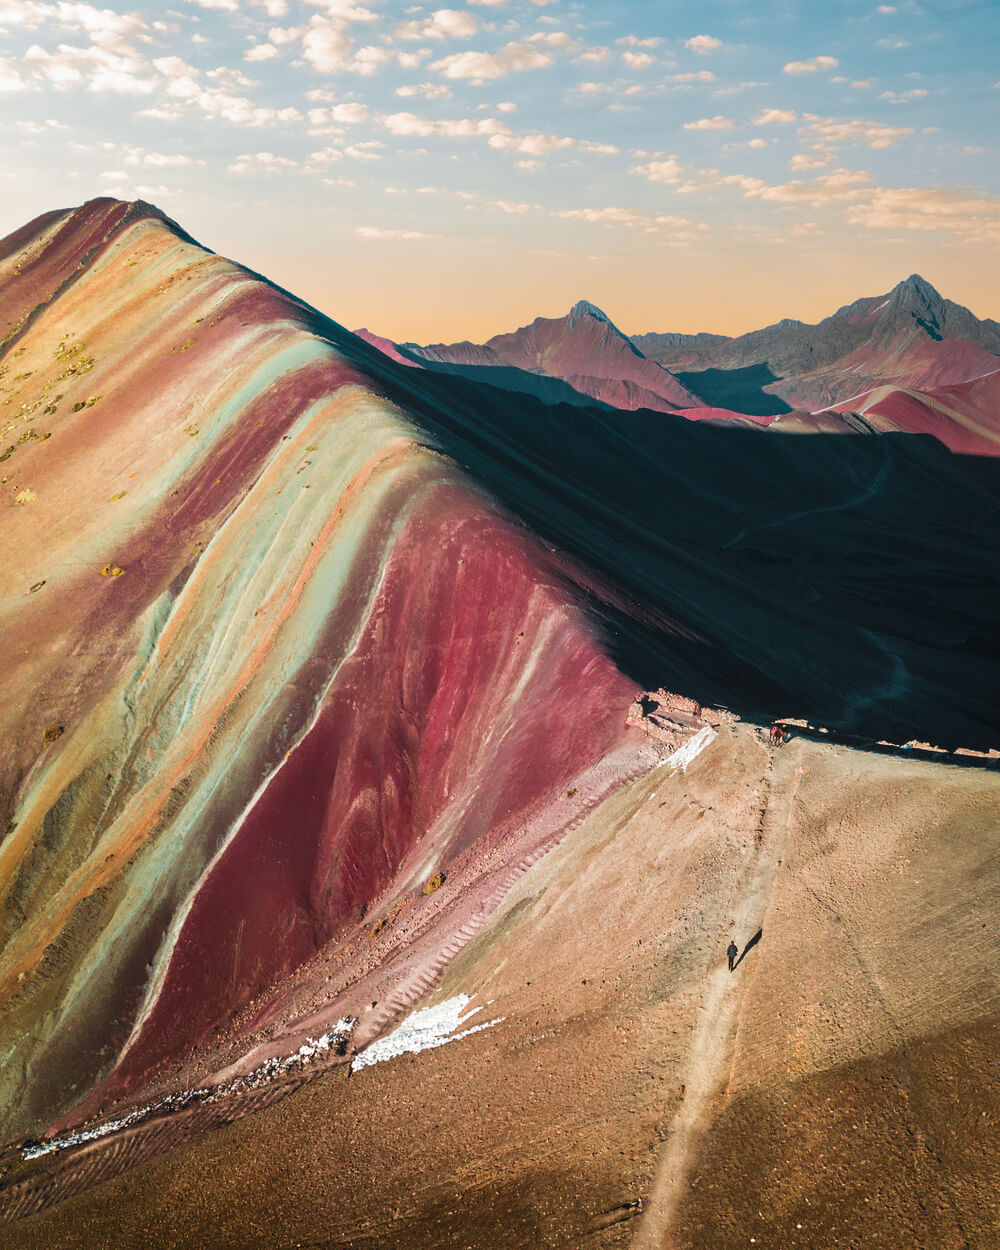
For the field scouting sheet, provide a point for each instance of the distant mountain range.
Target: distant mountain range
(908, 339)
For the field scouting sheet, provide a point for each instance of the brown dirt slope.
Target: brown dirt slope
(839, 1089)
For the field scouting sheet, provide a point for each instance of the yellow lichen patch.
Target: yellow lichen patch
(52, 733)
(37, 586)
(435, 883)
(183, 347)
(26, 496)
(112, 570)
(120, 495)
(85, 403)
(191, 430)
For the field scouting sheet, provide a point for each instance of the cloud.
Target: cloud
(771, 117)
(456, 128)
(442, 24)
(10, 79)
(669, 170)
(261, 52)
(481, 66)
(600, 149)
(505, 206)
(701, 75)
(637, 60)
(628, 217)
(810, 160)
(530, 145)
(376, 232)
(600, 55)
(921, 209)
(757, 143)
(829, 132)
(556, 39)
(370, 150)
(327, 46)
(429, 90)
(260, 163)
(903, 97)
(703, 43)
(811, 67)
(710, 123)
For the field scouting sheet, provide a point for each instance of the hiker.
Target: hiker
(732, 950)
(778, 734)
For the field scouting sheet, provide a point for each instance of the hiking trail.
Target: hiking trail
(709, 1065)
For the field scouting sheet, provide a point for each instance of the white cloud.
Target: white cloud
(771, 117)
(481, 66)
(669, 170)
(505, 206)
(442, 24)
(810, 160)
(757, 143)
(370, 150)
(556, 39)
(326, 45)
(710, 123)
(829, 132)
(637, 60)
(703, 43)
(375, 232)
(261, 52)
(429, 90)
(599, 55)
(600, 149)
(10, 79)
(260, 163)
(921, 209)
(530, 145)
(628, 217)
(811, 67)
(701, 75)
(903, 97)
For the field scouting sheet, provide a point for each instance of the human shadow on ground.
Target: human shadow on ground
(749, 947)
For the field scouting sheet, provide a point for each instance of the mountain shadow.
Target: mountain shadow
(852, 581)
(740, 390)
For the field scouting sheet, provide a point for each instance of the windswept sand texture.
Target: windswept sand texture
(319, 708)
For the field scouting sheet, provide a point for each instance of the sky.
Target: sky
(446, 173)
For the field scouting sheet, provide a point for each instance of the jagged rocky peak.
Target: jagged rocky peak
(584, 308)
(916, 289)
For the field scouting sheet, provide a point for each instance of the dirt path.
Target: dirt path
(707, 1073)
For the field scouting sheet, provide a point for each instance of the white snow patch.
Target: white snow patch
(423, 1030)
(37, 1149)
(274, 1066)
(690, 750)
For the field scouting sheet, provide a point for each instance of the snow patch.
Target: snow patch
(424, 1030)
(691, 749)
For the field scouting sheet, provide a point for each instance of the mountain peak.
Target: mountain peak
(917, 286)
(584, 308)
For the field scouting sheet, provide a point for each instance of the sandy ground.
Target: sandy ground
(838, 1089)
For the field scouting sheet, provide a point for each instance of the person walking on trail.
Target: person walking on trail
(779, 734)
(732, 950)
